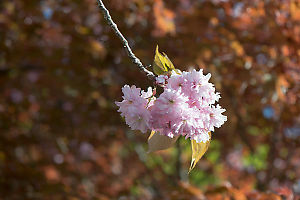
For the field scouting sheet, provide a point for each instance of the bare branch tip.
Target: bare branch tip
(128, 50)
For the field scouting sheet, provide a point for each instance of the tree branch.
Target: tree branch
(131, 55)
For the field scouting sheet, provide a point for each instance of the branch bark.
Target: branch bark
(130, 54)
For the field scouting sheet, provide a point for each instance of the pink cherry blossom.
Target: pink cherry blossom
(176, 82)
(161, 79)
(186, 106)
(167, 111)
(201, 137)
(134, 107)
(216, 117)
(139, 119)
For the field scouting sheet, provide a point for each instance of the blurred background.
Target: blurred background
(62, 69)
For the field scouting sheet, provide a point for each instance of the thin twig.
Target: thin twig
(131, 55)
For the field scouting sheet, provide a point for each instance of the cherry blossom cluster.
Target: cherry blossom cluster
(186, 106)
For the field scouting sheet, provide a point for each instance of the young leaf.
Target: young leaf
(158, 142)
(162, 63)
(198, 150)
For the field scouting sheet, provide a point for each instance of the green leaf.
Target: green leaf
(162, 64)
(258, 159)
(198, 150)
(158, 142)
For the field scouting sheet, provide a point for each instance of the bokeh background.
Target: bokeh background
(62, 69)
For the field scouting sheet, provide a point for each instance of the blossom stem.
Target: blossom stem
(130, 54)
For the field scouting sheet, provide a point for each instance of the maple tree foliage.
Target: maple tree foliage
(62, 69)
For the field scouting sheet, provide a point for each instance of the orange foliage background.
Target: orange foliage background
(62, 69)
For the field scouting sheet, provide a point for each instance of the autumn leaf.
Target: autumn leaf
(158, 142)
(97, 49)
(282, 86)
(226, 190)
(295, 10)
(162, 63)
(198, 150)
(237, 47)
(164, 19)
